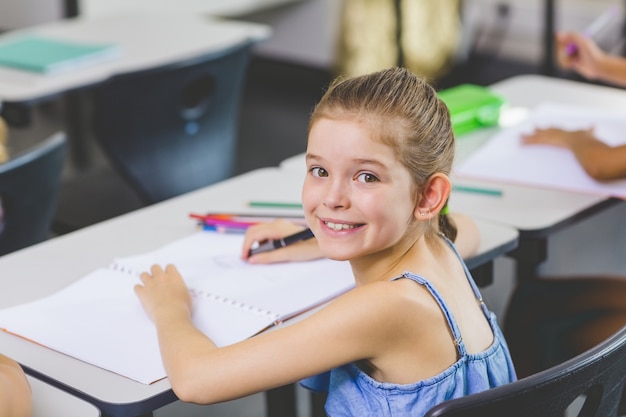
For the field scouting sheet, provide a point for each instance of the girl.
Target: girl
(414, 331)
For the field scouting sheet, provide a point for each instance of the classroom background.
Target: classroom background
(494, 40)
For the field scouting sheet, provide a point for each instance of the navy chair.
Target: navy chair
(596, 378)
(29, 188)
(172, 129)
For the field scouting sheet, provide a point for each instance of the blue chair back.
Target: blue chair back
(29, 188)
(172, 129)
(596, 376)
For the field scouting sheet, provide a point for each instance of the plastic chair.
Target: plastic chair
(29, 188)
(172, 129)
(597, 375)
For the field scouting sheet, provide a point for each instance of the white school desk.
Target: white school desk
(535, 212)
(50, 401)
(45, 268)
(146, 40)
(228, 8)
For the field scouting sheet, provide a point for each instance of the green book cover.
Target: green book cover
(47, 55)
(471, 107)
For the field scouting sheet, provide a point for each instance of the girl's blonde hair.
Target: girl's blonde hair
(4, 152)
(404, 113)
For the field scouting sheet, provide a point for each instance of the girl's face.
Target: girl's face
(358, 198)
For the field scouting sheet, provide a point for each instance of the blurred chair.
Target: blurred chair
(162, 131)
(29, 188)
(596, 376)
(172, 129)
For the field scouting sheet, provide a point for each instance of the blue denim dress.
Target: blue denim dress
(351, 392)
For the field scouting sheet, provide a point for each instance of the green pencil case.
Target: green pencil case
(471, 107)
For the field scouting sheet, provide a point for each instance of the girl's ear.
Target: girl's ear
(434, 197)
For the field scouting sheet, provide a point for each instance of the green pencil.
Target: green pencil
(477, 190)
(275, 204)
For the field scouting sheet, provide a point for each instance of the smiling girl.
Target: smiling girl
(414, 332)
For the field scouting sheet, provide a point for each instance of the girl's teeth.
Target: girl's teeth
(339, 226)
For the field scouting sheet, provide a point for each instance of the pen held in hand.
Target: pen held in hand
(594, 28)
(281, 243)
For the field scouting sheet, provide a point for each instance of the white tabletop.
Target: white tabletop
(531, 210)
(45, 268)
(49, 401)
(146, 40)
(229, 8)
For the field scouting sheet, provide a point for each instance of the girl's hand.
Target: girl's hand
(163, 293)
(302, 251)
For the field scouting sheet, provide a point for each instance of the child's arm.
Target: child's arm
(601, 161)
(358, 325)
(467, 241)
(589, 60)
(15, 393)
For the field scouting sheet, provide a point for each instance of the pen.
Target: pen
(250, 217)
(281, 243)
(477, 190)
(274, 204)
(594, 28)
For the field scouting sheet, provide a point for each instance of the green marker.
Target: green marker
(477, 190)
(275, 204)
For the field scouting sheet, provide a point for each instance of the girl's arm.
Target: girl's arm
(354, 326)
(467, 241)
(601, 161)
(15, 393)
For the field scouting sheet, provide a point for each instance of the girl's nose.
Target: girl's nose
(337, 195)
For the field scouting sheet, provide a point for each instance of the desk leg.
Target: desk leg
(528, 255)
(71, 8)
(548, 38)
(281, 401)
(77, 131)
(318, 400)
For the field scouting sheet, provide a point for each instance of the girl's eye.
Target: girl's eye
(319, 172)
(366, 177)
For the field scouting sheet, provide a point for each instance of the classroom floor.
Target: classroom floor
(273, 124)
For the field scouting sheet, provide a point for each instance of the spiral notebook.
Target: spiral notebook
(99, 320)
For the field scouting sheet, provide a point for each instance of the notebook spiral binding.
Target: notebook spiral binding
(213, 297)
(235, 304)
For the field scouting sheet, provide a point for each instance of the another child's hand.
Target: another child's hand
(302, 251)
(163, 293)
(587, 57)
(557, 137)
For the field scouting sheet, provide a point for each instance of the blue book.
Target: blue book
(47, 55)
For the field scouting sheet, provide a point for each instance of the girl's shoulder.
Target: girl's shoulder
(387, 300)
